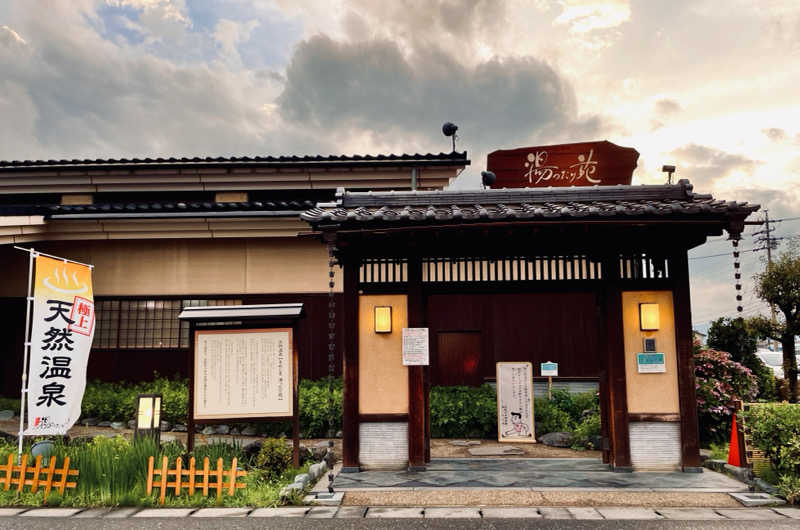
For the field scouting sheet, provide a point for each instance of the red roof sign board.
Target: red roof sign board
(582, 164)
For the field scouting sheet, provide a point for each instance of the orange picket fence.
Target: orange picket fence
(197, 479)
(40, 477)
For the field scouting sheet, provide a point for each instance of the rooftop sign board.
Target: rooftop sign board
(581, 164)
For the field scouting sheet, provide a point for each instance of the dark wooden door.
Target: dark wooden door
(458, 358)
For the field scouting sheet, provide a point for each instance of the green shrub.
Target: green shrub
(775, 428)
(9, 404)
(550, 417)
(789, 487)
(463, 412)
(587, 431)
(313, 407)
(274, 458)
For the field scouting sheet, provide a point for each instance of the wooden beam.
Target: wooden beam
(350, 423)
(620, 454)
(690, 439)
(416, 374)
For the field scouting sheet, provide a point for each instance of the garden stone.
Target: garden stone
(315, 470)
(208, 429)
(252, 449)
(6, 414)
(319, 450)
(118, 425)
(179, 428)
(165, 425)
(339, 434)
(302, 478)
(235, 432)
(131, 424)
(89, 422)
(597, 442)
(557, 439)
(249, 431)
(104, 424)
(287, 490)
(222, 429)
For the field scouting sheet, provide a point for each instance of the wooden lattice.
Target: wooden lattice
(36, 476)
(197, 479)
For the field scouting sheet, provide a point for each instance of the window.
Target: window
(144, 324)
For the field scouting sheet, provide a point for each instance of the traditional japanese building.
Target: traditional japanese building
(595, 278)
(165, 234)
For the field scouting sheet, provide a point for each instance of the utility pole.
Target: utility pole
(769, 244)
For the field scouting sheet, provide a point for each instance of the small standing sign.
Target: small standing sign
(515, 403)
(550, 370)
(415, 347)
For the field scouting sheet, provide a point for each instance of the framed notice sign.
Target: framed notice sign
(515, 403)
(415, 347)
(243, 373)
(650, 363)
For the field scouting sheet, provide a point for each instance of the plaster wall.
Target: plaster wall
(187, 266)
(655, 393)
(382, 378)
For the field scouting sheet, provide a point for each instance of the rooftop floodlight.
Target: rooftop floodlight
(669, 170)
(488, 178)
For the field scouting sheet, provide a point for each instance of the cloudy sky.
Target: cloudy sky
(707, 85)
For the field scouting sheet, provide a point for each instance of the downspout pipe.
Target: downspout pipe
(414, 179)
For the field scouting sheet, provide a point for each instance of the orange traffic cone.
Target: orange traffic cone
(734, 455)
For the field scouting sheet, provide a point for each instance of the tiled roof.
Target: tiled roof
(271, 161)
(522, 204)
(173, 207)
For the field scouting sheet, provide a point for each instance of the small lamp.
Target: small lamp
(383, 319)
(148, 416)
(648, 317)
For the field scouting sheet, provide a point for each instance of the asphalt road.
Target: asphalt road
(46, 523)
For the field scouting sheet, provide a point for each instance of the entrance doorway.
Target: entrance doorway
(471, 332)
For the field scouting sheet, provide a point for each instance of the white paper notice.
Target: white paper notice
(515, 402)
(243, 374)
(415, 347)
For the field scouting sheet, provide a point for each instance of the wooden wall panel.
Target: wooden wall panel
(534, 327)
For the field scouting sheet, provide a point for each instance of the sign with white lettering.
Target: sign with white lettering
(580, 164)
(243, 373)
(415, 347)
(650, 363)
(549, 369)
(515, 403)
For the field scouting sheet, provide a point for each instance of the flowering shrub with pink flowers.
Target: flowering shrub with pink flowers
(719, 381)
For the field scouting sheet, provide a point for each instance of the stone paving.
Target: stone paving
(535, 473)
(410, 512)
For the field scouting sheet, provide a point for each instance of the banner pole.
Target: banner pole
(59, 258)
(27, 349)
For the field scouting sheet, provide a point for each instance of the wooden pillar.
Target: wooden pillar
(350, 425)
(690, 442)
(416, 374)
(620, 454)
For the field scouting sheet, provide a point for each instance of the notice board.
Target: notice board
(243, 373)
(515, 403)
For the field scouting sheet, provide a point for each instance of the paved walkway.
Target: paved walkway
(537, 474)
(358, 512)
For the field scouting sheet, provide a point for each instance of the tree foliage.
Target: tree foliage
(779, 285)
(735, 336)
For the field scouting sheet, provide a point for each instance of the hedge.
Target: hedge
(775, 428)
(456, 411)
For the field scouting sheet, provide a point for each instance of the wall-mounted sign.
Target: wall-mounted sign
(549, 369)
(515, 403)
(650, 363)
(415, 347)
(243, 373)
(581, 164)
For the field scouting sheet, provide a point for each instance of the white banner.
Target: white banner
(61, 337)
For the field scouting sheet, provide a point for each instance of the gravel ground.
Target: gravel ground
(501, 497)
